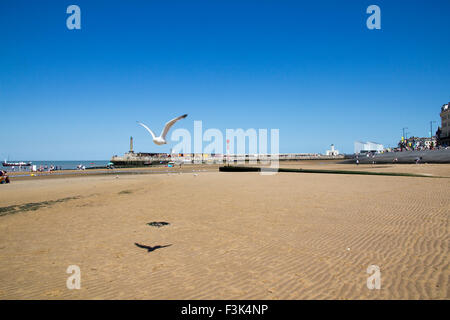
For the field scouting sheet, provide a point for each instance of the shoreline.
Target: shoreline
(305, 165)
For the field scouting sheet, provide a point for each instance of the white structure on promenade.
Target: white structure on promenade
(332, 152)
(362, 147)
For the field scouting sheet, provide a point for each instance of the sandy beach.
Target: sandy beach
(229, 235)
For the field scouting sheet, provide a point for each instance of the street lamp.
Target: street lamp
(404, 132)
(431, 129)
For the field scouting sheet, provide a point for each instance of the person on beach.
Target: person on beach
(3, 177)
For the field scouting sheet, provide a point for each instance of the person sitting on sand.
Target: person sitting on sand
(3, 177)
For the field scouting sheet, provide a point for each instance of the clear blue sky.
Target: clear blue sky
(311, 69)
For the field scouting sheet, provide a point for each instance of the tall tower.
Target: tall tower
(131, 145)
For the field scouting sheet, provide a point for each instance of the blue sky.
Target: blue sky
(311, 69)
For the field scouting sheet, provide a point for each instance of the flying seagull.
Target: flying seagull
(162, 138)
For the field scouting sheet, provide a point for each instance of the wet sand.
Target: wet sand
(231, 235)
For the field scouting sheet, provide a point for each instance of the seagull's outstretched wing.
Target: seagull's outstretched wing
(148, 129)
(170, 124)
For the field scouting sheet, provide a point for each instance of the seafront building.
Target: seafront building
(444, 129)
(146, 159)
(365, 147)
(132, 158)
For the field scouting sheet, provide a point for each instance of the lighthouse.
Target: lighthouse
(332, 152)
(131, 145)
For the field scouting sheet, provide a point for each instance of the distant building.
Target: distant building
(364, 147)
(444, 129)
(332, 151)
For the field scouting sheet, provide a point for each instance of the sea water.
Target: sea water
(63, 165)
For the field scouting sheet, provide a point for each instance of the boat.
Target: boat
(16, 164)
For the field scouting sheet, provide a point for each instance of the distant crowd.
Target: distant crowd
(417, 145)
(48, 168)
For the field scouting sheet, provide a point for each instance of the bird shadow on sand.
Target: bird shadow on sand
(158, 224)
(149, 248)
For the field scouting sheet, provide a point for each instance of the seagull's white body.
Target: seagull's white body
(162, 138)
